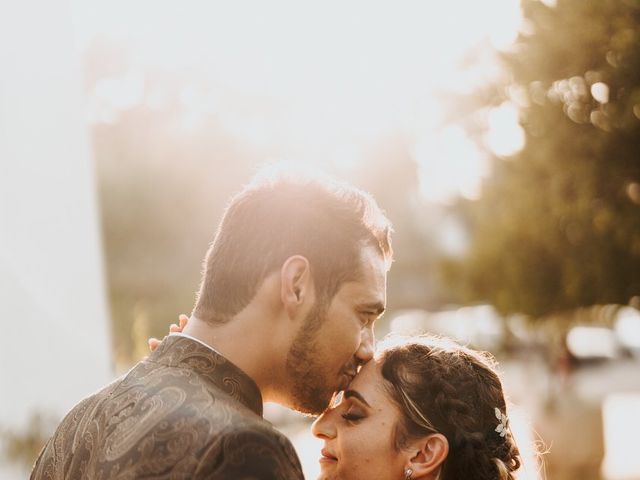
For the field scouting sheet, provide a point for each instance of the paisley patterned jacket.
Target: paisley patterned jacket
(183, 413)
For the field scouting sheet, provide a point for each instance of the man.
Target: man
(292, 284)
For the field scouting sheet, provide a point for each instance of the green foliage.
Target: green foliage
(161, 198)
(558, 224)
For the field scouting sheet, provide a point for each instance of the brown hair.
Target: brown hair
(443, 387)
(281, 215)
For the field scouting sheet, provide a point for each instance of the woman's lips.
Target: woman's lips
(327, 456)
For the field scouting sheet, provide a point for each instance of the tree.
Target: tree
(558, 224)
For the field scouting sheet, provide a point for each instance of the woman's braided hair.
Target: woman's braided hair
(443, 387)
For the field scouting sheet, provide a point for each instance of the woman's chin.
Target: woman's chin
(327, 476)
(327, 470)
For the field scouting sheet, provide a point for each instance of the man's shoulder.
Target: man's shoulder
(227, 439)
(160, 426)
(163, 416)
(256, 432)
(251, 449)
(179, 389)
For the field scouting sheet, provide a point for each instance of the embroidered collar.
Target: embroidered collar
(184, 352)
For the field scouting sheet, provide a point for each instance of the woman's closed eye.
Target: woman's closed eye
(356, 406)
(352, 416)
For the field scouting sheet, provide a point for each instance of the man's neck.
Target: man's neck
(245, 343)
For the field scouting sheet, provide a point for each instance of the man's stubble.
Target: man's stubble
(306, 366)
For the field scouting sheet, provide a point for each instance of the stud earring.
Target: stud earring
(407, 474)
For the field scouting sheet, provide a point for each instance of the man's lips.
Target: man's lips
(348, 377)
(351, 372)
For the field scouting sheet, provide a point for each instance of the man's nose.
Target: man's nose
(367, 346)
(324, 426)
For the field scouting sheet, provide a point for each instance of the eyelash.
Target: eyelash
(351, 417)
(368, 317)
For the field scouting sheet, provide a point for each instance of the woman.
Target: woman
(424, 408)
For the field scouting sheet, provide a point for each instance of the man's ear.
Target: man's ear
(428, 455)
(296, 283)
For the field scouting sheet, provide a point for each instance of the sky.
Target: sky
(319, 81)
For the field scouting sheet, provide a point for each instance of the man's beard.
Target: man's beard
(309, 391)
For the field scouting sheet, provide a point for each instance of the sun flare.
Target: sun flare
(315, 83)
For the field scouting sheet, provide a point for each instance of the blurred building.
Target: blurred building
(55, 342)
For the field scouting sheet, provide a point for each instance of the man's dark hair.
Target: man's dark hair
(274, 218)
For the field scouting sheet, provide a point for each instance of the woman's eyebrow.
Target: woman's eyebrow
(353, 393)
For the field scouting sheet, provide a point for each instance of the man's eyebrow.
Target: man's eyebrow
(377, 307)
(354, 393)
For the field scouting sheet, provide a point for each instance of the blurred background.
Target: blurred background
(501, 137)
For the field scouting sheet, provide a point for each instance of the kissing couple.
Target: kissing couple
(293, 283)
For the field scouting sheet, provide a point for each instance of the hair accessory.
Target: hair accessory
(407, 474)
(504, 422)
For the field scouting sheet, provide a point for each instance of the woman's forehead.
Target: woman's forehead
(369, 378)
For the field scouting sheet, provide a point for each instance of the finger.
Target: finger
(182, 320)
(174, 328)
(153, 344)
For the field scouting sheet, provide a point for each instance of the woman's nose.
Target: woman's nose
(324, 427)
